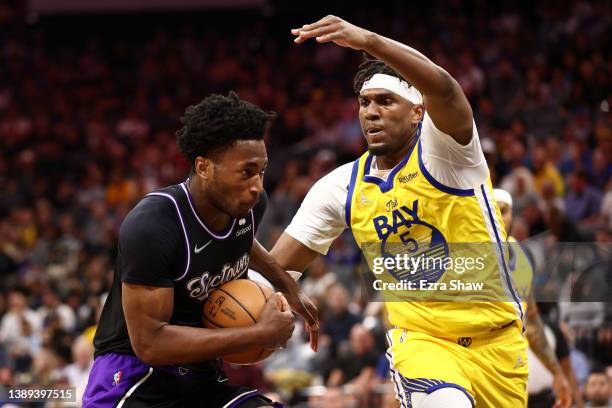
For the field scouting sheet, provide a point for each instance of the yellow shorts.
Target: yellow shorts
(491, 369)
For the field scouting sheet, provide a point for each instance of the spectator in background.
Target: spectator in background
(53, 305)
(545, 172)
(533, 213)
(46, 368)
(6, 382)
(96, 226)
(296, 366)
(549, 197)
(318, 281)
(77, 373)
(514, 153)
(579, 361)
(582, 201)
(121, 189)
(21, 327)
(356, 363)
(577, 157)
(334, 398)
(606, 206)
(601, 169)
(340, 319)
(598, 390)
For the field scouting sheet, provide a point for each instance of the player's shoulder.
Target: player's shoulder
(152, 204)
(429, 129)
(330, 191)
(340, 176)
(152, 213)
(343, 170)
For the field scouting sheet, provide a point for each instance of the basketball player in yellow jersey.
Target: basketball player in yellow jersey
(423, 182)
(522, 271)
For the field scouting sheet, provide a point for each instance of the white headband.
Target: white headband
(395, 85)
(502, 196)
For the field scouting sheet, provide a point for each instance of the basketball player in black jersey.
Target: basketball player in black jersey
(176, 246)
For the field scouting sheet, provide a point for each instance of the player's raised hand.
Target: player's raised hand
(334, 29)
(277, 322)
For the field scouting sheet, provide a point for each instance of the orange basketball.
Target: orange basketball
(237, 303)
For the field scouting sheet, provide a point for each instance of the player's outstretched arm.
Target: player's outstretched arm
(268, 266)
(148, 311)
(291, 254)
(444, 100)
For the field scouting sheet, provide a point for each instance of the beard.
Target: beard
(379, 151)
(219, 200)
(225, 202)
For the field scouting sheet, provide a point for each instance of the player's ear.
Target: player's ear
(203, 167)
(417, 113)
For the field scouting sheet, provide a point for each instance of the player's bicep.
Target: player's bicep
(291, 254)
(320, 219)
(451, 113)
(450, 163)
(146, 310)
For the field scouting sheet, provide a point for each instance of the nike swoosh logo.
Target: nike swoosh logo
(198, 250)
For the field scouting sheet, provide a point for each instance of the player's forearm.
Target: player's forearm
(291, 254)
(264, 263)
(539, 345)
(429, 78)
(172, 344)
(569, 374)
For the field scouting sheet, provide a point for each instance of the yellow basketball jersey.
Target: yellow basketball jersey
(412, 213)
(521, 270)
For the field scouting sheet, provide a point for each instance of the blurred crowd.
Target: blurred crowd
(87, 128)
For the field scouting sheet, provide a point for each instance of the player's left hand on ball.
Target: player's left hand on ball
(302, 305)
(332, 28)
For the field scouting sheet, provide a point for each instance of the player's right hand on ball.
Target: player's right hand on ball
(277, 322)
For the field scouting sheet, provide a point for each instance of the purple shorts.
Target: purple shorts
(118, 380)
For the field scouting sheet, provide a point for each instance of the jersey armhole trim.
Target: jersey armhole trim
(440, 186)
(502, 261)
(349, 195)
(178, 212)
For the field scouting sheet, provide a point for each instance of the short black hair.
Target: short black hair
(368, 68)
(217, 122)
(598, 370)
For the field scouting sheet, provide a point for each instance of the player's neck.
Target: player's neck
(389, 161)
(213, 217)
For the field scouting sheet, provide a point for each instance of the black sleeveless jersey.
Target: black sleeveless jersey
(164, 243)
